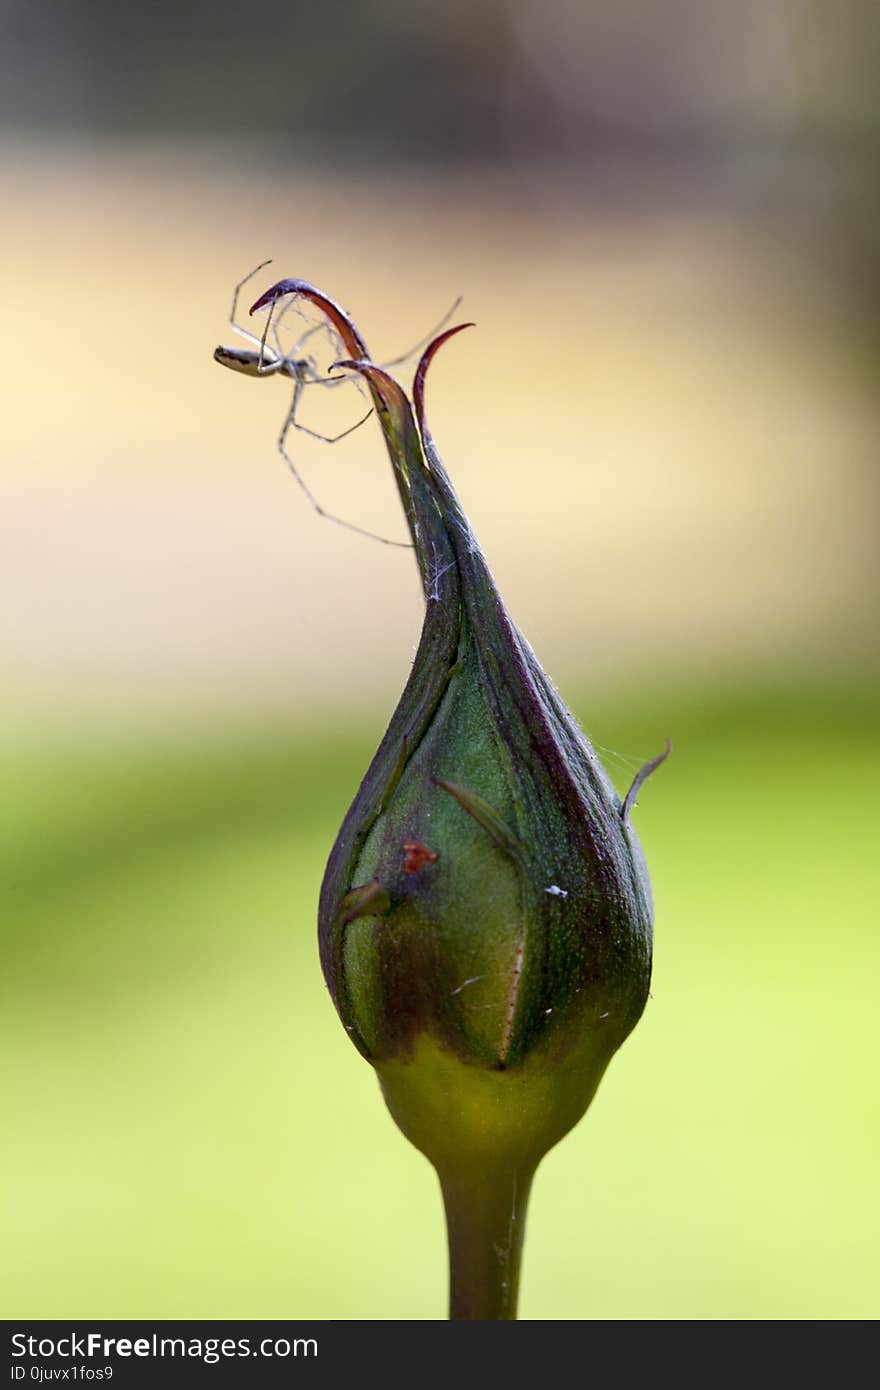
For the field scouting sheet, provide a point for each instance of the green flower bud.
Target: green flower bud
(485, 916)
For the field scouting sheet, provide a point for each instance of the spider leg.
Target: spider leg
(329, 438)
(328, 516)
(336, 345)
(244, 332)
(295, 360)
(423, 342)
(271, 359)
(271, 363)
(283, 309)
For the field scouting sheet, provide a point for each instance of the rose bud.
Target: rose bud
(485, 918)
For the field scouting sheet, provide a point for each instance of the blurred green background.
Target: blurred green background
(664, 219)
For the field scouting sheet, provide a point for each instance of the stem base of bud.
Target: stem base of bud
(486, 1225)
(486, 1130)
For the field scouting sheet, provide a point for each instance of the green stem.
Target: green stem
(486, 1221)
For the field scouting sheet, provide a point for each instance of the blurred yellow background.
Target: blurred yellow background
(664, 429)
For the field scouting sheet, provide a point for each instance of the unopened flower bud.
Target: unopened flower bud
(485, 916)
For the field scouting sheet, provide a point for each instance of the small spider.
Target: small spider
(264, 360)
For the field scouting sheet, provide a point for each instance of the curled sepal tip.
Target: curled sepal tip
(639, 780)
(425, 361)
(302, 289)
